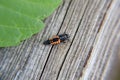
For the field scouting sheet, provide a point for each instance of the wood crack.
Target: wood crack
(52, 46)
(70, 44)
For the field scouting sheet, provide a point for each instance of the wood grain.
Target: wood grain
(94, 29)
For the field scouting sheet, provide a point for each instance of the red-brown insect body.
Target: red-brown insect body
(57, 39)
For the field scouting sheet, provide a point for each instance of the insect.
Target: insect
(57, 39)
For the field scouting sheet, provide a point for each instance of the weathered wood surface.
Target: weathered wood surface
(94, 29)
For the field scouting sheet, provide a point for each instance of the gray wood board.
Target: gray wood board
(94, 29)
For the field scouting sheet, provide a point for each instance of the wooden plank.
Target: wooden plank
(77, 54)
(94, 29)
(107, 46)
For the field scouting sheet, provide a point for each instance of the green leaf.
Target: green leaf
(20, 19)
